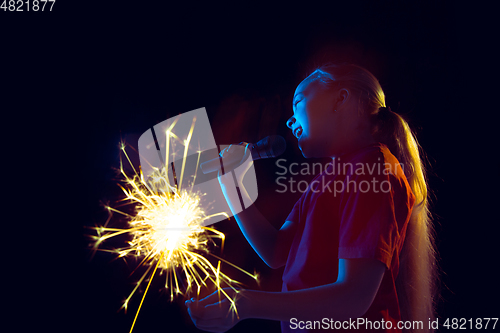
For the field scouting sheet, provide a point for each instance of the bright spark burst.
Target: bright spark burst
(168, 233)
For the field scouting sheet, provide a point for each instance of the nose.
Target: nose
(290, 122)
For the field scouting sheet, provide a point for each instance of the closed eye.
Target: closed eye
(297, 102)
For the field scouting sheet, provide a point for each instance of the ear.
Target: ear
(343, 95)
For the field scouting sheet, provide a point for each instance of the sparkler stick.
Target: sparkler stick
(145, 292)
(168, 230)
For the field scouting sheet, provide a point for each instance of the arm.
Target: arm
(349, 297)
(270, 244)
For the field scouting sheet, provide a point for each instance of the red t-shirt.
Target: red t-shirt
(358, 207)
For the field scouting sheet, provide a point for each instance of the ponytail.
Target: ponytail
(416, 282)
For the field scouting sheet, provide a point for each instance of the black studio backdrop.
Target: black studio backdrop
(106, 72)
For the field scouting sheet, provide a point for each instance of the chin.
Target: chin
(303, 149)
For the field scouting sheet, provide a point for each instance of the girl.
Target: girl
(358, 243)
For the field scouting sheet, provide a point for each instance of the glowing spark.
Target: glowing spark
(167, 231)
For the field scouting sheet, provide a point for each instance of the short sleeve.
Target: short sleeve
(368, 226)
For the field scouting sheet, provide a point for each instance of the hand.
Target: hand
(216, 314)
(243, 152)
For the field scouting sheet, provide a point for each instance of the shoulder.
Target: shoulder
(374, 159)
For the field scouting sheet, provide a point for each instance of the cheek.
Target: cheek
(310, 121)
(324, 127)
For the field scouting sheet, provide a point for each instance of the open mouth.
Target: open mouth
(297, 132)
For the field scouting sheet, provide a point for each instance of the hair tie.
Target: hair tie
(384, 109)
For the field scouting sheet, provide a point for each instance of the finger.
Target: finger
(196, 318)
(214, 298)
(221, 154)
(195, 310)
(191, 301)
(193, 316)
(199, 308)
(216, 310)
(247, 149)
(215, 293)
(208, 324)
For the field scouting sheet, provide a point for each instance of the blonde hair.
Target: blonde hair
(417, 278)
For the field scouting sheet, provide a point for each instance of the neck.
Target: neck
(355, 145)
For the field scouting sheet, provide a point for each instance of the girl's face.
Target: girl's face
(313, 121)
(324, 121)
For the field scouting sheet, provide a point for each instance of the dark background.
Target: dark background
(88, 75)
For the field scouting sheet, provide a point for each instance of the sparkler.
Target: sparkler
(168, 231)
